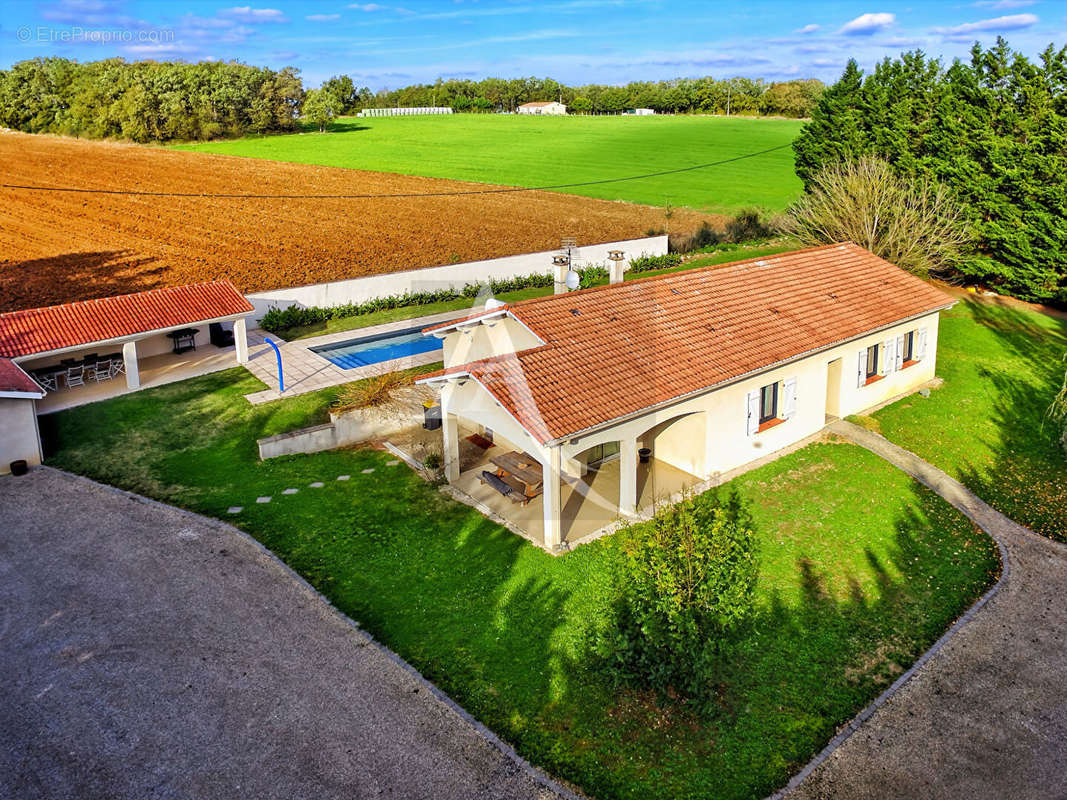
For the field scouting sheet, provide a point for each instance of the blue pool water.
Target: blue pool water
(375, 349)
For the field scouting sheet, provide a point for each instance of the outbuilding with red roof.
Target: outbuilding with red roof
(64, 355)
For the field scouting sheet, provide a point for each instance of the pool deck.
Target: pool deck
(307, 371)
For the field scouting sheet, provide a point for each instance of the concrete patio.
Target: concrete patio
(589, 505)
(154, 371)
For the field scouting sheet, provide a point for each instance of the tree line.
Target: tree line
(148, 101)
(745, 96)
(991, 130)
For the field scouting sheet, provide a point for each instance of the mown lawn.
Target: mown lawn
(1002, 365)
(540, 151)
(410, 312)
(861, 570)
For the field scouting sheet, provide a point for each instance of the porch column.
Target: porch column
(240, 339)
(551, 492)
(129, 358)
(450, 438)
(628, 476)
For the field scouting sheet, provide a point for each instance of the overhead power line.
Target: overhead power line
(457, 193)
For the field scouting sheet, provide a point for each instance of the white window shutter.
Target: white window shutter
(900, 352)
(861, 375)
(789, 398)
(752, 404)
(888, 360)
(920, 347)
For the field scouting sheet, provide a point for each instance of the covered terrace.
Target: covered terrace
(91, 350)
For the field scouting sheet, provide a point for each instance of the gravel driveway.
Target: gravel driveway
(147, 652)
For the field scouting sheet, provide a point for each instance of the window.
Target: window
(602, 452)
(872, 361)
(907, 352)
(768, 403)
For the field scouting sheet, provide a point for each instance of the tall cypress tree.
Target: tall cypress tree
(993, 129)
(835, 131)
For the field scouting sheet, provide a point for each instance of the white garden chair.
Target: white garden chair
(102, 370)
(75, 376)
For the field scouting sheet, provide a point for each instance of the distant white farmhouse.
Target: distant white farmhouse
(543, 107)
(643, 112)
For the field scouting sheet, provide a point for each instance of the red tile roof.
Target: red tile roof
(13, 379)
(42, 330)
(616, 350)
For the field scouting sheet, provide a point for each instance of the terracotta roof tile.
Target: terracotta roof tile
(42, 330)
(615, 350)
(13, 379)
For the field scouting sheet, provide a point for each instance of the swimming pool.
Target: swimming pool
(369, 350)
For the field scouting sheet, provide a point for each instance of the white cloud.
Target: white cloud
(807, 29)
(368, 7)
(998, 4)
(249, 14)
(1010, 22)
(866, 24)
(322, 17)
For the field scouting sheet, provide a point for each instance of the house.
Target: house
(542, 107)
(621, 395)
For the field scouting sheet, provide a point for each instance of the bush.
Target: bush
(650, 263)
(684, 587)
(705, 236)
(911, 222)
(372, 392)
(747, 226)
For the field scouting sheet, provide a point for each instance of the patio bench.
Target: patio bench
(506, 485)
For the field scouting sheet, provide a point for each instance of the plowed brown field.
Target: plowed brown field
(57, 246)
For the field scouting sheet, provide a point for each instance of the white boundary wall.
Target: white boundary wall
(451, 276)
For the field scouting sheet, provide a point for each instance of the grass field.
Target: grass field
(851, 591)
(540, 151)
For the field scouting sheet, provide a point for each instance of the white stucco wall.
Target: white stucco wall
(493, 337)
(727, 443)
(451, 276)
(19, 438)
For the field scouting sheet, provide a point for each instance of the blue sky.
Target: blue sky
(389, 44)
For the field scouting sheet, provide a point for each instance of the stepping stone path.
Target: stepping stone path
(392, 463)
(343, 477)
(290, 491)
(235, 509)
(368, 471)
(316, 485)
(263, 499)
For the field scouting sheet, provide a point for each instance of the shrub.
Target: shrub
(913, 222)
(1057, 412)
(704, 236)
(684, 586)
(649, 263)
(372, 392)
(747, 226)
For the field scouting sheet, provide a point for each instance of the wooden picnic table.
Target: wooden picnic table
(524, 468)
